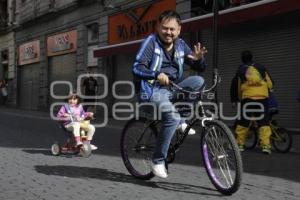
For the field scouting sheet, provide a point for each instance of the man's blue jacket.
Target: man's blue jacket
(151, 58)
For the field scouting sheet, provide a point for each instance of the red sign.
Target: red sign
(137, 23)
(29, 52)
(62, 43)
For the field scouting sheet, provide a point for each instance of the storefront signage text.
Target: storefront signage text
(137, 23)
(29, 52)
(62, 43)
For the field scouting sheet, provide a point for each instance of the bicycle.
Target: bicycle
(221, 156)
(281, 139)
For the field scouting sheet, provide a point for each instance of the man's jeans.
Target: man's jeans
(169, 116)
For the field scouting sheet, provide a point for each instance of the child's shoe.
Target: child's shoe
(93, 147)
(266, 150)
(242, 148)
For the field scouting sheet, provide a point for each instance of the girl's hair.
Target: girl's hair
(169, 14)
(74, 96)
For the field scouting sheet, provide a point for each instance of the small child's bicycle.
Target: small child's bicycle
(281, 139)
(70, 147)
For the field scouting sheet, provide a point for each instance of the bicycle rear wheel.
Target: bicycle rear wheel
(137, 145)
(252, 139)
(221, 157)
(281, 140)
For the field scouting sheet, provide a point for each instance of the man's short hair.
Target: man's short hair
(169, 14)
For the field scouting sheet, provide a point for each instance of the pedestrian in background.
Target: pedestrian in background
(4, 93)
(254, 84)
(90, 88)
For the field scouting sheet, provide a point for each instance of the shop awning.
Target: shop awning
(229, 16)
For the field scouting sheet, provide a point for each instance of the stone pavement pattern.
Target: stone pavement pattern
(28, 170)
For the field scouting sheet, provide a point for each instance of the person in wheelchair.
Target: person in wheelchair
(74, 118)
(160, 60)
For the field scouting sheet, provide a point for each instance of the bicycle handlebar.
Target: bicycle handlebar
(217, 79)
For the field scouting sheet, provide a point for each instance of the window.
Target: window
(93, 32)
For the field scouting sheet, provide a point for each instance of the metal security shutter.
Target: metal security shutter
(275, 43)
(122, 71)
(62, 68)
(29, 87)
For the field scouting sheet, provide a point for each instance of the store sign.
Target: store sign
(62, 43)
(137, 23)
(29, 52)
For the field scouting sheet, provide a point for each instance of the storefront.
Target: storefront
(65, 34)
(28, 73)
(271, 33)
(61, 52)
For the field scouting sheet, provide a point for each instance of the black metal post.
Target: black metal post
(215, 40)
(215, 33)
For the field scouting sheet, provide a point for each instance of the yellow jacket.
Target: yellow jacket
(257, 87)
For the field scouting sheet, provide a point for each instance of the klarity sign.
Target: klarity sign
(62, 43)
(138, 22)
(29, 52)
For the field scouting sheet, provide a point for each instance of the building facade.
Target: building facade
(269, 28)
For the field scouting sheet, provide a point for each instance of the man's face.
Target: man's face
(168, 30)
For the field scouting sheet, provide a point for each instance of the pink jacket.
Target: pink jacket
(76, 113)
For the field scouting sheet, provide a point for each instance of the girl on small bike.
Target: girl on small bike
(72, 114)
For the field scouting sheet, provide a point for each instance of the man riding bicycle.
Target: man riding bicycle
(160, 60)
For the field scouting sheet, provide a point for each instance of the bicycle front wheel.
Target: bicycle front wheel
(137, 145)
(221, 157)
(281, 140)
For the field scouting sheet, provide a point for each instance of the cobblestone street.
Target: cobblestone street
(30, 172)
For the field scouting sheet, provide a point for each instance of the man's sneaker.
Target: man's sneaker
(159, 170)
(241, 148)
(93, 147)
(266, 150)
(182, 128)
